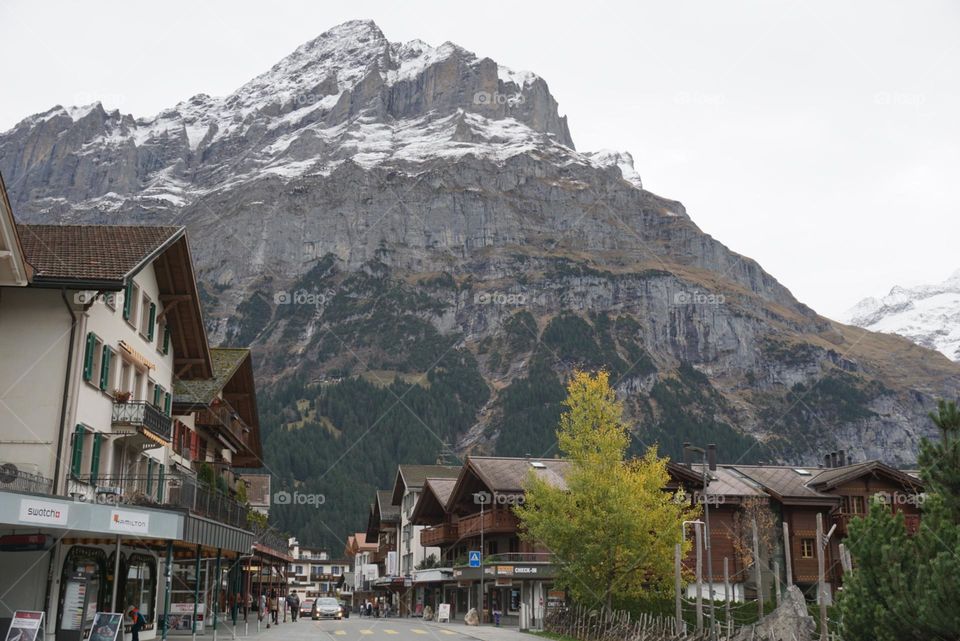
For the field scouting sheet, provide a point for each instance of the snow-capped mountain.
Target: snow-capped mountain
(929, 315)
(436, 201)
(348, 95)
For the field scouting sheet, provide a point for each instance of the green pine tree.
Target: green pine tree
(907, 587)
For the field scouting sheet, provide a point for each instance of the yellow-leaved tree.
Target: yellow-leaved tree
(611, 525)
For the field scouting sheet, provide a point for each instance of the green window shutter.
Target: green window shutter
(149, 476)
(105, 368)
(128, 299)
(160, 475)
(95, 456)
(166, 341)
(153, 321)
(76, 463)
(88, 356)
(166, 403)
(157, 390)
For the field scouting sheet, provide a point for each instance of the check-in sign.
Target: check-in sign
(43, 512)
(130, 522)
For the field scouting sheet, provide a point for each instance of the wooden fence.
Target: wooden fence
(586, 624)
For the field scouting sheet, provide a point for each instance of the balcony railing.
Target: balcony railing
(13, 479)
(438, 535)
(170, 490)
(492, 522)
(143, 415)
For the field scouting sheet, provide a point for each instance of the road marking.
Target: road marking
(418, 630)
(389, 631)
(366, 631)
(447, 631)
(340, 632)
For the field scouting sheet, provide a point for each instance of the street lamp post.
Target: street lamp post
(709, 545)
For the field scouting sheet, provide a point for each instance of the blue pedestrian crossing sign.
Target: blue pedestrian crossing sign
(475, 558)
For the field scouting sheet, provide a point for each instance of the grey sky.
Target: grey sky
(820, 138)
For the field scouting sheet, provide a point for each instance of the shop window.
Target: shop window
(91, 564)
(140, 588)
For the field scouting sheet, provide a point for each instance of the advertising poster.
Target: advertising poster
(443, 613)
(106, 626)
(25, 626)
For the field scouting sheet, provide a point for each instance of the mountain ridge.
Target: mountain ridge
(393, 237)
(929, 315)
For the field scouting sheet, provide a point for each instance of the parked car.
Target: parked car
(306, 608)
(327, 608)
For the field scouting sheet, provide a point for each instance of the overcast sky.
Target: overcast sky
(820, 138)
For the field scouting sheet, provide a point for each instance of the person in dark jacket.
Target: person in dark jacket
(138, 623)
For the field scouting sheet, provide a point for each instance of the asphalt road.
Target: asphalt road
(371, 629)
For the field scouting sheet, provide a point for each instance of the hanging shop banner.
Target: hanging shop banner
(25, 626)
(106, 626)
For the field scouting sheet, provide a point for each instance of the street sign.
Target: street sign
(475, 558)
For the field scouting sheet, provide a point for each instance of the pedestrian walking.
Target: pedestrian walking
(261, 606)
(293, 602)
(274, 607)
(138, 623)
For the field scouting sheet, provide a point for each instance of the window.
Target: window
(148, 317)
(92, 359)
(136, 391)
(806, 548)
(854, 504)
(151, 393)
(141, 585)
(76, 458)
(165, 341)
(106, 365)
(131, 298)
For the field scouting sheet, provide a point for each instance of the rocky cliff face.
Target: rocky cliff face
(375, 216)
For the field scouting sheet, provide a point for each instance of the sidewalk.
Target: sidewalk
(486, 632)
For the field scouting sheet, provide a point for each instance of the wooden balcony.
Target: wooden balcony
(912, 522)
(438, 535)
(495, 521)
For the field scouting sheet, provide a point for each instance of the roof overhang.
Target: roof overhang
(14, 269)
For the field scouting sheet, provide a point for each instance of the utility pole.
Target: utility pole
(707, 464)
(756, 566)
(726, 594)
(483, 554)
(823, 540)
(699, 543)
(676, 587)
(788, 553)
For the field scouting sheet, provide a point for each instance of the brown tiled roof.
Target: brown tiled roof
(502, 474)
(413, 477)
(442, 488)
(785, 483)
(388, 512)
(91, 252)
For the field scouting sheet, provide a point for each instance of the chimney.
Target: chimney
(833, 459)
(826, 460)
(686, 453)
(712, 456)
(841, 457)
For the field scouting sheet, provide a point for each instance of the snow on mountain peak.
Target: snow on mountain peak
(623, 160)
(927, 314)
